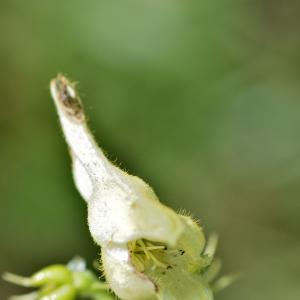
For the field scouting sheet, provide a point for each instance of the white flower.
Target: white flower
(148, 250)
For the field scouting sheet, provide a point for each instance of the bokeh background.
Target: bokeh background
(200, 98)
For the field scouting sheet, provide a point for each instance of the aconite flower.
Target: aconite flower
(148, 251)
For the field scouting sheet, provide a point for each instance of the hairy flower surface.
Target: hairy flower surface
(148, 251)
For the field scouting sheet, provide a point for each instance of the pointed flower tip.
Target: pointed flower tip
(66, 98)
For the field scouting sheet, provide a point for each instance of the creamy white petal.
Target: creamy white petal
(123, 212)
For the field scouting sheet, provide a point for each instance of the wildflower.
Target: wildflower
(148, 250)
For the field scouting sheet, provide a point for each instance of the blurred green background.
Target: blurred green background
(199, 98)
